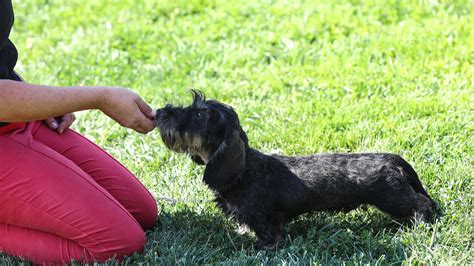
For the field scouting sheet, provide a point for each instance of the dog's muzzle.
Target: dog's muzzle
(160, 112)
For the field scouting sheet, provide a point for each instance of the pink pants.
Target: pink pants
(64, 198)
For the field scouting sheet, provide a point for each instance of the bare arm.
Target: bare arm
(21, 102)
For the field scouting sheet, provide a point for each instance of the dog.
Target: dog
(264, 192)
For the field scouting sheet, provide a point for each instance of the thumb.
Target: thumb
(146, 109)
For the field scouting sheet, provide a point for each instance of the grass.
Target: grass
(305, 77)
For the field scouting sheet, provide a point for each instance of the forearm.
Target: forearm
(22, 102)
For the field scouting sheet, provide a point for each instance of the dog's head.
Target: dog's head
(210, 132)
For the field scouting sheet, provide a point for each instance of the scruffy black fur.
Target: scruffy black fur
(264, 192)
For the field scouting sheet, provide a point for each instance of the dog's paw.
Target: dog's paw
(269, 245)
(260, 246)
(243, 229)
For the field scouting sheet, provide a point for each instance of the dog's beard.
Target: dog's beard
(185, 142)
(173, 140)
(194, 142)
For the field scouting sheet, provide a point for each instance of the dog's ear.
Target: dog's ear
(227, 163)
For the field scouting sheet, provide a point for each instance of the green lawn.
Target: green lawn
(304, 77)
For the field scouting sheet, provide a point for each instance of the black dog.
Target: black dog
(264, 192)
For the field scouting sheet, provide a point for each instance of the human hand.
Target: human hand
(128, 109)
(60, 123)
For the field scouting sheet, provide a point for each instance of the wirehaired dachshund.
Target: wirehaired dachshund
(264, 192)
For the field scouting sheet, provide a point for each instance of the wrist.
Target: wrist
(100, 97)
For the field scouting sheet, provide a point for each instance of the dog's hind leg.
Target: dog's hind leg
(404, 203)
(415, 183)
(424, 209)
(399, 192)
(398, 201)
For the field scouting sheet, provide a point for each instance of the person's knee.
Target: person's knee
(127, 242)
(133, 243)
(145, 210)
(150, 213)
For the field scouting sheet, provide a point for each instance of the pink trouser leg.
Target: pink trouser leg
(105, 170)
(63, 198)
(40, 246)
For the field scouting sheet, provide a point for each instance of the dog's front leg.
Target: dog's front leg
(269, 236)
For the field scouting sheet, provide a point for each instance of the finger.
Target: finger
(63, 125)
(145, 108)
(144, 128)
(66, 122)
(148, 125)
(153, 114)
(51, 122)
(143, 125)
(140, 130)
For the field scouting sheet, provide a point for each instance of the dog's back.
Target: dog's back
(341, 182)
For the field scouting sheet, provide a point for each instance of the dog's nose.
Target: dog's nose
(159, 112)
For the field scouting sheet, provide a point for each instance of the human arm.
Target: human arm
(22, 102)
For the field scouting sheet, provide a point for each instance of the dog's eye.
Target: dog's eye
(199, 114)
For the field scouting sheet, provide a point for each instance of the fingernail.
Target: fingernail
(54, 125)
(153, 113)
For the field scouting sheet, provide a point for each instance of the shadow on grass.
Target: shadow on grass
(186, 236)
